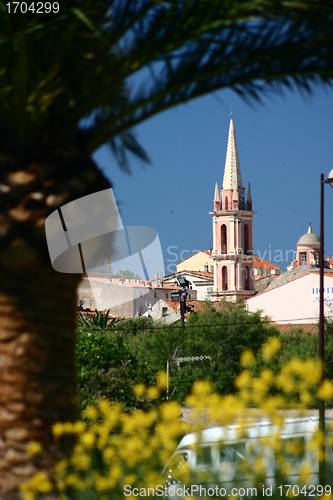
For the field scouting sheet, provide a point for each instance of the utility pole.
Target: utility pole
(181, 296)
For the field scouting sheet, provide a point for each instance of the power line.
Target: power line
(275, 323)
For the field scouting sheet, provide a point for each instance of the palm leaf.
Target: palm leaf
(99, 68)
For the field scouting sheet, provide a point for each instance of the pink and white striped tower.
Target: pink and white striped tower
(233, 252)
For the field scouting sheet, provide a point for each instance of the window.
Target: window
(232, 453)
(226, 203)
(155, 295)
(164, 311)
(224, 278)
(293, 449)
(206, 268)
(303, 258)
(246, 239)
(223, 238)
(204, 456)
(166, 296)
(247, 278)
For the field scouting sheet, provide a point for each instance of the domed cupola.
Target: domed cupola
(307, 254)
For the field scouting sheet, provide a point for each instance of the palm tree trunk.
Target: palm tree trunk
(37, 372)
(38, 309)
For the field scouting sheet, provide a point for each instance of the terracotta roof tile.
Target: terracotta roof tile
(290, 327)
(259, 262)
(131, 283)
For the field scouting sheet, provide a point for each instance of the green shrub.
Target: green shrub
(106, 368)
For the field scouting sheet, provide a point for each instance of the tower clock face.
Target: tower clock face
(242, 197)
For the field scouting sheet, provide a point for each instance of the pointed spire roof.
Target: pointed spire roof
(249, 194)
(216, 194)
(232, 175)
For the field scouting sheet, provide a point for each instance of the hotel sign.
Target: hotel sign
(328, 294)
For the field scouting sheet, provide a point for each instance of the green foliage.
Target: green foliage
(304, 345)
(135, 326)
(106, 368)
(100, 320)
(125, 274)
(111, 361)
(222, 334)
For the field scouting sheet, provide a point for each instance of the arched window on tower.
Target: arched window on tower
(226, 203)
(247, 278)
(246, 239)
(223, 238)
(224, 278)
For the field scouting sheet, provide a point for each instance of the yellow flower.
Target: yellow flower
(87, 439)
(152, 392)
(305, 472)
(161, 380)
(34, 448)
(267, 375)
(139, 390)
(91, 413)
(243, 380)
(40, 483)
(170, 411)
(271, 347)
(259, 467)
(60, 468)
(104, 406)
(306, 398)
(247, 358)
(202, 388)
(82, 461)
(102, 483)
(58, 429)
(78, 427)
(325, 391)
(130, 479)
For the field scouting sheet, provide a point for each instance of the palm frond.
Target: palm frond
(119, 62)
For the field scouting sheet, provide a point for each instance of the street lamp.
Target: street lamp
(322, 464)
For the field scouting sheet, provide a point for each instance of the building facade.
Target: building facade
(233, 253)
(201, 282)
(124, 298)
(199, 261)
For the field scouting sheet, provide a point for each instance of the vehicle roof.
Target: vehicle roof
(291, 426)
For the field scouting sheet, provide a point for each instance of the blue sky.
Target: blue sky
(284, 145)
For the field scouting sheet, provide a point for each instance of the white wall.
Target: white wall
(296, 301)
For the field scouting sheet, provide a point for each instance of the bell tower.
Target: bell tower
(233, 252)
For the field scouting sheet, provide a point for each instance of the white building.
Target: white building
(294, 298)
(125, 298)
(202, 283)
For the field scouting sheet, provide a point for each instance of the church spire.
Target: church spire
(216, 194)
(217, 205)
(232, 174)
(249, 198)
